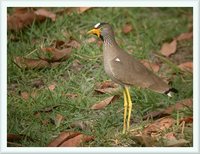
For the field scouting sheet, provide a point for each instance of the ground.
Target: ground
(49, 91)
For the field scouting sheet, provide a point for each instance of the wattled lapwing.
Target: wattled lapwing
(125, 70)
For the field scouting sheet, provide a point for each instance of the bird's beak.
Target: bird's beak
(95, 31)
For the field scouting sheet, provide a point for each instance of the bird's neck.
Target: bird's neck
(109, 41)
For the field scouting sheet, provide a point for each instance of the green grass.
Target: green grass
(151, 28)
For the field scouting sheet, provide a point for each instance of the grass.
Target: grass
(151, 28)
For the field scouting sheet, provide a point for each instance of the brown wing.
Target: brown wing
(131, 72)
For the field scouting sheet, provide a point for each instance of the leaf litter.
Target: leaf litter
(49, 56)
(107, 87)
(102, 104)
(169, 110)
(22, 18)
(70, 139)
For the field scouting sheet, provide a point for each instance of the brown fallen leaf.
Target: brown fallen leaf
(18, 21)
(188, 66)
(151, 66)
(82, 9)
(77, 141)
(107, 84)
(63, 136)
(102, 104)
(25, 95)
(52, 87)
(169, 110)
(20, 10)
(73, 43)
(107, 90)
(25, 17)
(107, 87)
(14, 137)
(58, 44)
(17, 137)
(168, 48)
(55, 55)
(159, 125)
(169, 136)
(58, 119)
(186, 120)
(45, 13)
(185, 36)
(127, 28)
(27, 63)
(179, 105)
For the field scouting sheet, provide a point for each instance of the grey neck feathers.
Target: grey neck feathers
(109, 41)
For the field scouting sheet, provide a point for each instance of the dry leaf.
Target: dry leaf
(186, 120)
(82, 9)
(62, 138)
(151, 66)
(185, 36)
(14, 137)
(169, 136)
(20, 10)
(45, 13)
(73, 43)
(17, 137)
(25, 95)
(102, 104)
(19, 21)
(59, 118)
(107, 87)
(52, 87)
(169, 110)
(188, 66)
(107, 84)
(179, 105)
(168, 48)
(159, 125)
(77, 141)
(127, 28)
(24, 17)
(55, 55)
(27, 63)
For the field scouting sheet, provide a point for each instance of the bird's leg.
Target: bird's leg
(125, 111)
(129, 107)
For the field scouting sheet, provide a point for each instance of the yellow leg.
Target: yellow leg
(129, 107)
(125, 111)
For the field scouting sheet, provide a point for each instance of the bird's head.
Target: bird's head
(102, 30)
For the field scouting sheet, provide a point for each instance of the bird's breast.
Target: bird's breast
(108, 55)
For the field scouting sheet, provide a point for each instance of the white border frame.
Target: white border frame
(103, 3)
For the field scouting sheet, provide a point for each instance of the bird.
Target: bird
(125, 70)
